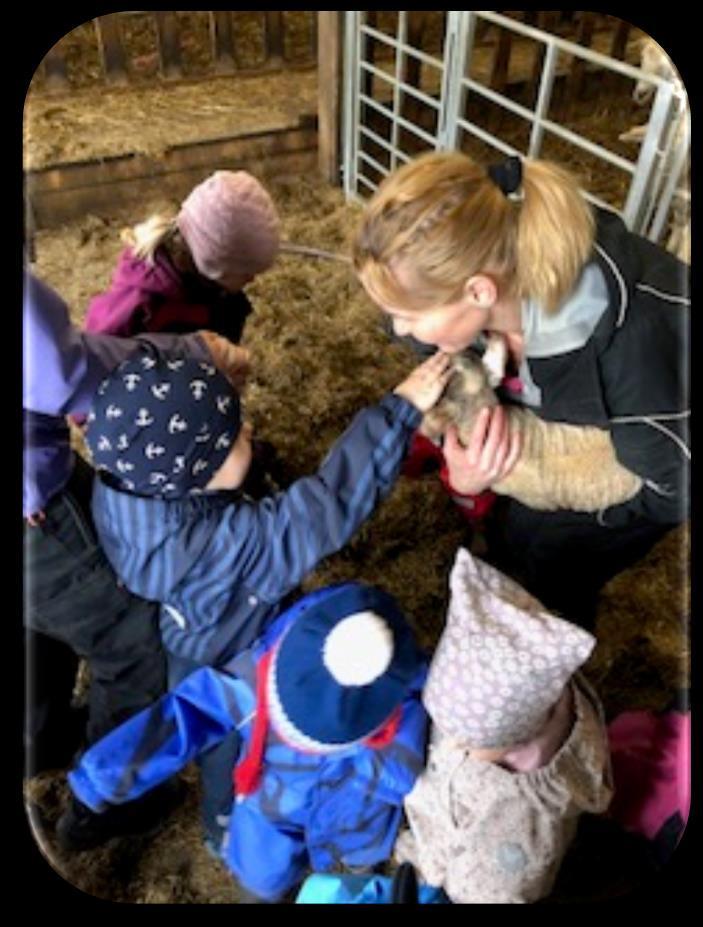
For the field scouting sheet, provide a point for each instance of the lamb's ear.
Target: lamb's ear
(495, 360)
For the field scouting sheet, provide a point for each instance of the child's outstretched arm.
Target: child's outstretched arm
(155, 744)
(270, 546)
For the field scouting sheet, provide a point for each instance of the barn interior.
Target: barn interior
(126, 113)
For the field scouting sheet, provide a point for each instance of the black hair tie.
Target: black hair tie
(507, 176)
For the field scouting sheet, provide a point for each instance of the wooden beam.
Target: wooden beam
(168, 36)
(112, 54)
(329, 56)
(222, 41)
(58, 195)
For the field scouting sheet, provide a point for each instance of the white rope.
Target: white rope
(288, 247)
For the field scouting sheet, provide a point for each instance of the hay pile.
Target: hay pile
(320, 355)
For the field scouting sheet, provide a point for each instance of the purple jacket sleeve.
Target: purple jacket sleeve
(63, 366)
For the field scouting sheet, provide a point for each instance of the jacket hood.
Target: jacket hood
(135, 283)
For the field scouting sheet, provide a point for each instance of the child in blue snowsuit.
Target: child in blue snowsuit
(168, 441)
(328, 705)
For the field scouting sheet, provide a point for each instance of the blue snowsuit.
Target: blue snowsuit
(310, 810)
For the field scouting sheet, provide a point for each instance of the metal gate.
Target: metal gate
(391, 114)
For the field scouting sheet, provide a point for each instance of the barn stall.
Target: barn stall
(128, 112)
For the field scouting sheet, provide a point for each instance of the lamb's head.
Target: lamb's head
(467, 392)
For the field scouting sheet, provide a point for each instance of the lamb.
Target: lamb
(561, 467)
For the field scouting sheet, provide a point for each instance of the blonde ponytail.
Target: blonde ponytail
(555, 234)
(147, 237)
(444, 215)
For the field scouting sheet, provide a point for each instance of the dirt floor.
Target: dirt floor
(320, 355)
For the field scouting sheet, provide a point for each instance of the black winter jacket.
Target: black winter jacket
(632, 374)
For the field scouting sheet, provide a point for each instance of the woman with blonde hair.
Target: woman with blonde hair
(595, 320)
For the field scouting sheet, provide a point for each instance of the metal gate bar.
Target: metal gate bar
(655, 173)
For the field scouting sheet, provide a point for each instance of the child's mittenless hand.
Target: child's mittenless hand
(230, 359)
(425, 385)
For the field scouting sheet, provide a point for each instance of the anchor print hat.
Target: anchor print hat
(162, 427)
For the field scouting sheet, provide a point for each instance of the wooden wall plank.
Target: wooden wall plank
(274, 36)
(222, 41)
(55, 70)
(168, 35)
(58, 195)
(110, 46)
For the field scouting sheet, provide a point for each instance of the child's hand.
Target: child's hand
(426, 383)
(230, 359)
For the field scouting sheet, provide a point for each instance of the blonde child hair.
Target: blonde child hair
(446, 217)
(156, 232)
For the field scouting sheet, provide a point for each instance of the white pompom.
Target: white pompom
(359, 649)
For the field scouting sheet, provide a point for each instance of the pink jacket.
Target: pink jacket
(157, 297)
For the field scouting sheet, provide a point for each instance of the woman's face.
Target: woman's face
(451, 327)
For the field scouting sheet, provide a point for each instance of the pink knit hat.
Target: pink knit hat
(231, 227)
(503, 661)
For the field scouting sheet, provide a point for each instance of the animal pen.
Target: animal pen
(130, 111)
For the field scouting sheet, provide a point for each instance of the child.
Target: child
(74, 606)
(187, 273)
(328, 703)
(172, 451)
(596, 320)
(518, 746)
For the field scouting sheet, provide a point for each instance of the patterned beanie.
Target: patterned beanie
(231, 227)
(337, 677)
(163, 427)
(503, 661)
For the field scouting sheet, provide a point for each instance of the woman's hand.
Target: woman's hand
(36, 520)
(425, 385)
(492, 452)
(230, 359)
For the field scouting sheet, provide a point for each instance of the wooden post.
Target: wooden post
(329, 56)
(274, 37)
(578, 65)
(222, 41)
(111, 51)
(547, 22)
(168, 37)
(614, 83)
(501, 62)
(620, 37)
(55, 71)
